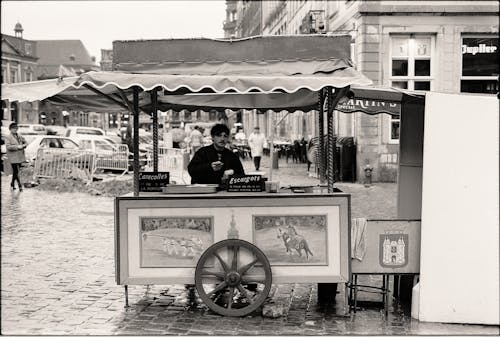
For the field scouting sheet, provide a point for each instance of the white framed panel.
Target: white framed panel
(159, 239)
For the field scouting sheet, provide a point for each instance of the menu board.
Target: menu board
(245, 183)
(153, 181)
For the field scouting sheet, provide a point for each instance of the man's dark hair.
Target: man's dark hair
(12, 125)
(217, 129)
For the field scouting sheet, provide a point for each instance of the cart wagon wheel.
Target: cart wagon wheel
(219, 277)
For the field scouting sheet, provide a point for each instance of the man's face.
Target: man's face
(220, 140)
(256, 130)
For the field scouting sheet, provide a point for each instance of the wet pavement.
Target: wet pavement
(58, 277)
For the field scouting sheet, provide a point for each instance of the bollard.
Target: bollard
(275, 160)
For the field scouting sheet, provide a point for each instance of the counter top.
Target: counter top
(284, 192)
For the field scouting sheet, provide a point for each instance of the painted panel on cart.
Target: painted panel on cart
(292, 239)
(174, 241)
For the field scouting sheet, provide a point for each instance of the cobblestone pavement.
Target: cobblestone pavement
(58, 277)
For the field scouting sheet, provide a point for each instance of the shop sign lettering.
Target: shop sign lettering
(245, 183)
(153, 181)
(481, 49)
(369, 105)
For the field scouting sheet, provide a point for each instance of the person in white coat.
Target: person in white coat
(256, 142)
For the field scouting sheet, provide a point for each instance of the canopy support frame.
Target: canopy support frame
(109, 97)
(154, 112)
(321, 141)
(332, 98)
(136, 140)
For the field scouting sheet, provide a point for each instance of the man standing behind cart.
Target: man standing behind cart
(213, 163)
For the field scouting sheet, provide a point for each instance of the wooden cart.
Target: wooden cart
(233, 246)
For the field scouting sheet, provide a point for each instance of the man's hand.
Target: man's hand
(217, 165)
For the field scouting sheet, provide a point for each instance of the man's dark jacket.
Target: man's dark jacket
(201, 171)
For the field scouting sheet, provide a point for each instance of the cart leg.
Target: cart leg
(347, 307)
(386, 294)
(355, 285)
(126, 296)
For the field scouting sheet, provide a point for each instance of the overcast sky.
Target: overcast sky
(98, 23)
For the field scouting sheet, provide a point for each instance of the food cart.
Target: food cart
(224, 241)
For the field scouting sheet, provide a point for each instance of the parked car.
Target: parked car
(49, 141)
(74, 131)
(103, 146)
(31, 129)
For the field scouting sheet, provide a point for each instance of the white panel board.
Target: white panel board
(460, 218)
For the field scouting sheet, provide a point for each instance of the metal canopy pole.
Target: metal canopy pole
(271, 145)
(321, 142)
(136, 141)
(332, 99)
(154, 112)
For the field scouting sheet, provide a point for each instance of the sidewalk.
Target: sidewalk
(58, 277)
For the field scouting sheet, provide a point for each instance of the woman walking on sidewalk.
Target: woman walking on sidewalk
(15, 144)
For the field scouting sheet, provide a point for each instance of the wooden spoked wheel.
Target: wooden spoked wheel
(233, 277)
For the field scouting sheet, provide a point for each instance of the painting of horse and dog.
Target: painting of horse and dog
(292, 239)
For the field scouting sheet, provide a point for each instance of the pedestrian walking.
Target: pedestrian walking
(65, 115)
(15, 144)
(256, 142)
(196, 139)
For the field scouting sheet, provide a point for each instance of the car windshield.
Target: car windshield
(38, 128)
(89, 132)
(68, 144)
(103, 146)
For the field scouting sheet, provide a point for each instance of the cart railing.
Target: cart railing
(113, 160)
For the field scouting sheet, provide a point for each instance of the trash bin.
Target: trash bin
(275, 160)
(346, 159)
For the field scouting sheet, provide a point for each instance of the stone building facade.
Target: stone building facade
(19, 64)
(416, 45)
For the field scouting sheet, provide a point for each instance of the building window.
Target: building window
(411, 62)
(4, 74)
(394, 133)
(479, 64)
(29, 76)
(27, 48)
(13, 76)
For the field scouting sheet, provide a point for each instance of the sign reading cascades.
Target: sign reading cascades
(153, 181)
(245, 183)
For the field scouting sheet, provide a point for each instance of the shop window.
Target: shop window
(423, 85)
(394, 126)
(399, 68)
(411, 62)
(479, 64)
(400, 84)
